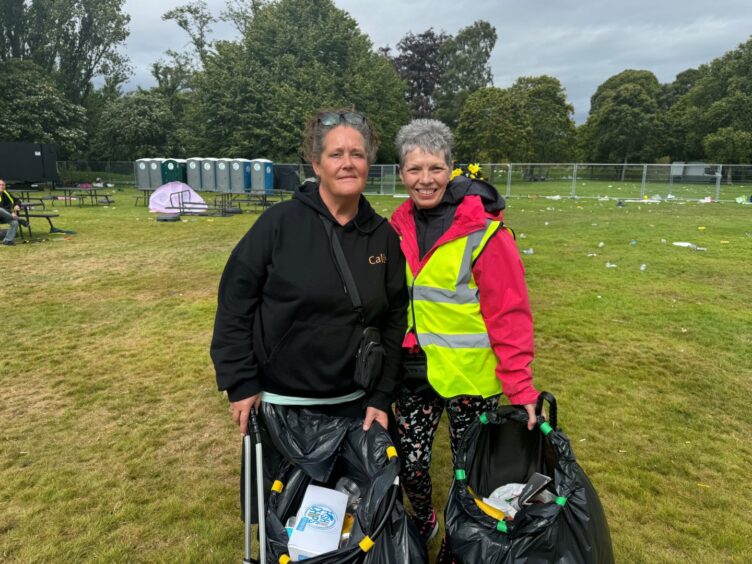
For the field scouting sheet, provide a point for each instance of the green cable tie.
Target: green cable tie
(483, 418)
(546, 428)
(460, 474)
(561, 501)
(501, 526)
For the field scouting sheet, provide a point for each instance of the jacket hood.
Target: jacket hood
(365, 221)
(462, 186)
(471, 212)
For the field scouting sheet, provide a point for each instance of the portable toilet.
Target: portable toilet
(141, 173)
(262, 175)
(173, 170)
(155, 172)
(193, 172)
(240, 176)
(223, 175)
(209, 174)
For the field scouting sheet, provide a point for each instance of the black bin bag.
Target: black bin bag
(498, 449)
(319, 449)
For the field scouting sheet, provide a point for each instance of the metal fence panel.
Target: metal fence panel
(680, 181)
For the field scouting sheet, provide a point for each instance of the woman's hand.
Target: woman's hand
(530, 408)
(373, 414)
(242, 409)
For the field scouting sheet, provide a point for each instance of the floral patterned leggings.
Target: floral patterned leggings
(418, 418)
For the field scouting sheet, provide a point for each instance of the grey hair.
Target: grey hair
(430, 135)
(315, 133)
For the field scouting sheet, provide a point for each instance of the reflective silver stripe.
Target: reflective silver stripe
(463, 295)
(466, 341)
(466, 266)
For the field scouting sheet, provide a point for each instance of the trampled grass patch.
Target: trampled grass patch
(115, 445)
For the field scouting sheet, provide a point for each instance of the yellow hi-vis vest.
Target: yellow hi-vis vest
(446, 317)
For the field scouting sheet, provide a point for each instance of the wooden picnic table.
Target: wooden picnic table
(26, 209)
(82, 194)
(258, 200)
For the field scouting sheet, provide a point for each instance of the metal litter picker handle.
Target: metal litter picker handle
(253, 435)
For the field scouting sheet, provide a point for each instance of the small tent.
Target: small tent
(176, 197)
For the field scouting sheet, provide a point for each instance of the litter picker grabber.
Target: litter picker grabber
(253, 437)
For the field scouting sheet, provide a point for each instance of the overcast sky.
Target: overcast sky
(580, 42)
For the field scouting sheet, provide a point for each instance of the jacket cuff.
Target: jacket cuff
(525, 397)
(244, 389)
(379, 400)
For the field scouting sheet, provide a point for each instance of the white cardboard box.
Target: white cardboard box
(319, 523)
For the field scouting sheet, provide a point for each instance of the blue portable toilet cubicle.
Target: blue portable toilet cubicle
(141, 173)
(209, 174)
(155, 172)
(262, 175)
(240, 176)
(222, 175)
(193, 172)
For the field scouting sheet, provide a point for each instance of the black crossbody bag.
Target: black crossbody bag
(370, 357)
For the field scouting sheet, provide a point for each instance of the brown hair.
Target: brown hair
(315, 132)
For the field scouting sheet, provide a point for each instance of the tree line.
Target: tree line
(249, 97)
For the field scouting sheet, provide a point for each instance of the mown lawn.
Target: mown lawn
(116, 446)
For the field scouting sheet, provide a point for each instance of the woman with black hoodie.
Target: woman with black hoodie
(286, 331)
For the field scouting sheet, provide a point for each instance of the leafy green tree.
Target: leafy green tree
(133, 126)
(240, 13)
(623, 118)
(728, 145)
(12, 29)
(195, 19)
(714, 97)
(76, 41)
(174, 78)
(421, 64)
(495, 126)
(297, 56)
(643, 79)
(683, 83)
(33, 109)
(553, 136)
(467, 69)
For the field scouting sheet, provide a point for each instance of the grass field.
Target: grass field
(630, 189)
(115, 445)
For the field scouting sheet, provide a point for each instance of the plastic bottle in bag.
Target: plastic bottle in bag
(351, 489)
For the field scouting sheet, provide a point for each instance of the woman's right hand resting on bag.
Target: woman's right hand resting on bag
(241, 409)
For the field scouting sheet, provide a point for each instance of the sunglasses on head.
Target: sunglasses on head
(329, 119)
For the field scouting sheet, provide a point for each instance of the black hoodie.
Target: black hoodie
(284, 323)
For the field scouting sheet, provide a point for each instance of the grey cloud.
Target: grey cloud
(581, 43)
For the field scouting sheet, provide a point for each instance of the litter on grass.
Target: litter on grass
(610, 264)
(689, 245)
